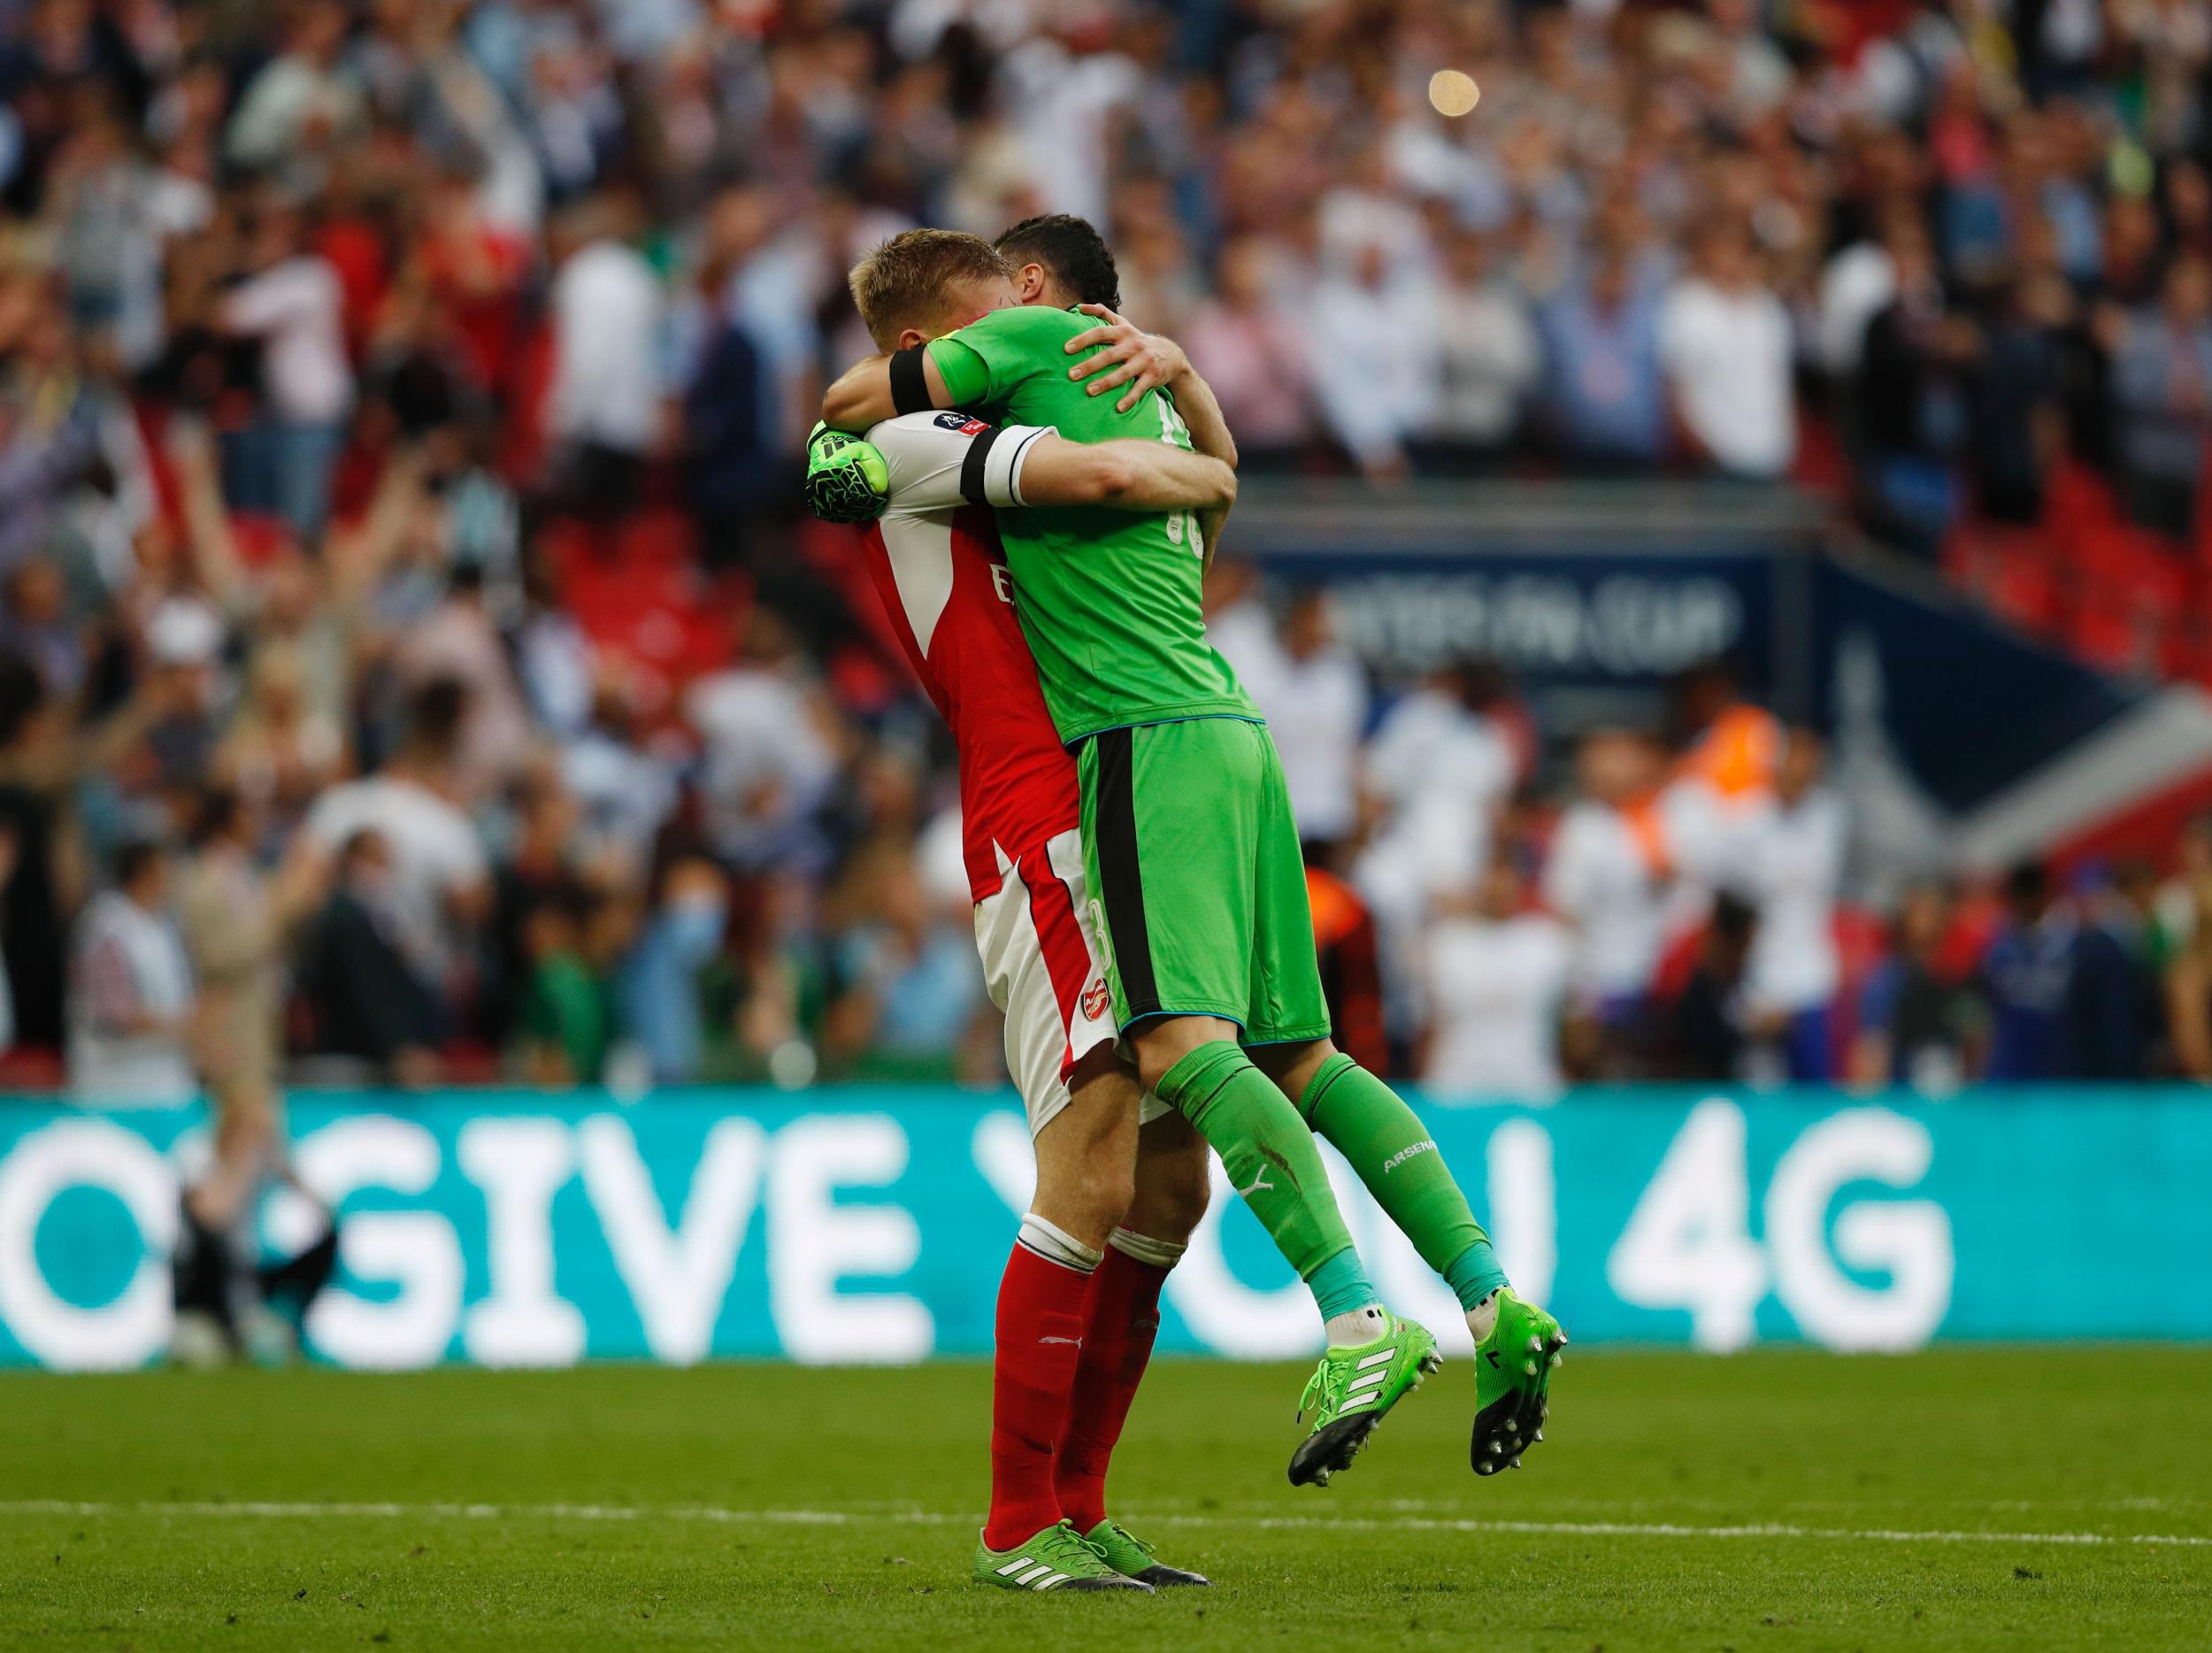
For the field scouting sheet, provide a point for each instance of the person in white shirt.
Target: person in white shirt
(1498, 975)
(1725, 341)
(1490, 355)
(768, 761)
(1436, 773)
(1607, 877)
(441, 878)
(606, 406)
(295, 305)
(1314, 694)
(1790, 867)
(131, 1002)
(1363, 312)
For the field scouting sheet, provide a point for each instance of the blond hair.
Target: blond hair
(901, 284)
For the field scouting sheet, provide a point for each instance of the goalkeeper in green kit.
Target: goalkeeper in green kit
(1194, 864)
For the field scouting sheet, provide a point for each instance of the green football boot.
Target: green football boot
(1130, 1557)
(1352, 1390)
(1513, 1368)
(1055, 1559)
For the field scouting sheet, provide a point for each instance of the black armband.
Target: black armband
(910, 389)
(972, 487)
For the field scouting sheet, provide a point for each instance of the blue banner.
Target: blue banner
(871, 1225)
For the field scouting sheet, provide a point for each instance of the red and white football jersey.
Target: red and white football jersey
(935, 557)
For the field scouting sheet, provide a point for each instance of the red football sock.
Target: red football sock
(1121, 1316)
(1039, 1340)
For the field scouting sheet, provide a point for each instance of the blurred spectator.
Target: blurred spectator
(297, 114)
(2161, 380)
(1709, 1038)
(910, 996)
(1247, 346)
(439, 881)
(292, 304)
(1374, 359)
(1350, 954)
(365, 1000)
(458, 642)
(1499, 974)
(1918, 1024)
(1912, 402)
(566, 1019)
(1314, 693)
(1725, 341)
(1606, 394)
(2063, 999)
(605, 407)
(1607, 879)
(132, 993)
(1791, 869)
(767, 767)
(1489, 359)
(237, 926)
(659, 985)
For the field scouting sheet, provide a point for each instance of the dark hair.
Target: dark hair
(132, 859)
(358, 845)
(214, 811)
(435, 714)
(2030, 880)
(22, 692)
(1734, 918)
(1073, 254)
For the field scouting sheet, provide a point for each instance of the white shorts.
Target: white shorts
(1042, 965)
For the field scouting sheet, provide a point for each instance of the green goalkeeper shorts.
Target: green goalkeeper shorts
(1197, 885)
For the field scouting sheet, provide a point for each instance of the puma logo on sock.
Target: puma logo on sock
(1258, 1182)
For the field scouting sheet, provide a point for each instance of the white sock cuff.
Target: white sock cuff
(1144, 1248)
(1056, 1244)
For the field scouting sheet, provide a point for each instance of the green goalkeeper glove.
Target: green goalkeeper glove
(847, 479)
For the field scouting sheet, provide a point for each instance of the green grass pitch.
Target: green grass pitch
(1773, 1501)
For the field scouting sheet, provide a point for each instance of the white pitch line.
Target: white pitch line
(930, 1518)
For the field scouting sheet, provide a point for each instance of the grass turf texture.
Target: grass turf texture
(750, 1506)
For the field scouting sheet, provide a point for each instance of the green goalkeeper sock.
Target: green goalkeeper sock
(1272, 1162)
(1386, 1143)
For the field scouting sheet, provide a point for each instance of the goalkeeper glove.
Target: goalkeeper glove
(847, 479)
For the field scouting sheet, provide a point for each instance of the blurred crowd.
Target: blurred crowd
(411, 668)
(1676, 902)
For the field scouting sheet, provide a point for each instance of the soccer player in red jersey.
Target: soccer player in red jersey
(1115, 1203)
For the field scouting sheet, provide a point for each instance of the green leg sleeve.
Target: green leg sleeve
(1267, 1149)
(1387, 1145)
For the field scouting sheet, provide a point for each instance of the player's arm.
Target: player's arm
(868, 392)
(978, 364)
(1126, 475)
(939, 461)
(1123, 353)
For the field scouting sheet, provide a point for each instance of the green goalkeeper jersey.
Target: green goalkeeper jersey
(1109, 600)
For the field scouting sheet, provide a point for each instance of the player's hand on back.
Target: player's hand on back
(1123, 354)
(847, 479)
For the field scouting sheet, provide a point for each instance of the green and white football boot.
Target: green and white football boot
(1130, 1557)
(1513, 1368)
(1352, 1391)
(1055, 1559)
